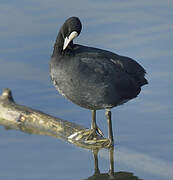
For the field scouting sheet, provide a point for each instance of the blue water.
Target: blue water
(142, 127)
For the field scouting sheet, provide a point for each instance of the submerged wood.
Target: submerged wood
(19, 117)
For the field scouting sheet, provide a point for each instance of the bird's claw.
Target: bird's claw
(90, 137)
(93, 133)
(99, 131)
(90, 134)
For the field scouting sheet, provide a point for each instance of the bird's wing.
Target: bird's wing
(113, 74)
(134, 69)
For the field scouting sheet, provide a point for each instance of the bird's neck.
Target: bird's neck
(58, 46)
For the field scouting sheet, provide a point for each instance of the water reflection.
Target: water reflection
(110, 175)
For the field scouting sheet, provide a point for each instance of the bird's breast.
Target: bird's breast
(83, 84)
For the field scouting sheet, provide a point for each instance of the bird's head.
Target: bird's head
(70, 30)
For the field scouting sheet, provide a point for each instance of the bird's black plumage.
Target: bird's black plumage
(90, 77)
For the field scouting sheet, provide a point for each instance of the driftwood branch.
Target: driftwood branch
(14, 116)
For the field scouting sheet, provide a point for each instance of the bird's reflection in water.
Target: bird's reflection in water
(111, 175)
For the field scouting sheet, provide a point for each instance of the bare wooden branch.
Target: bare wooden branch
(14, 116)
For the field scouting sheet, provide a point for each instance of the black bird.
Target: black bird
(93, 78)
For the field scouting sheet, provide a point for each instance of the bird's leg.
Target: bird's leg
(94, 126)
(93, 122)
(110, 132)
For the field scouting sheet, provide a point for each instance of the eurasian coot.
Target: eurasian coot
(93, 78)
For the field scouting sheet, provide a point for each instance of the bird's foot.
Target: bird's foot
(110, 144)
(89, 137)
(93, 133)
(90, 134)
